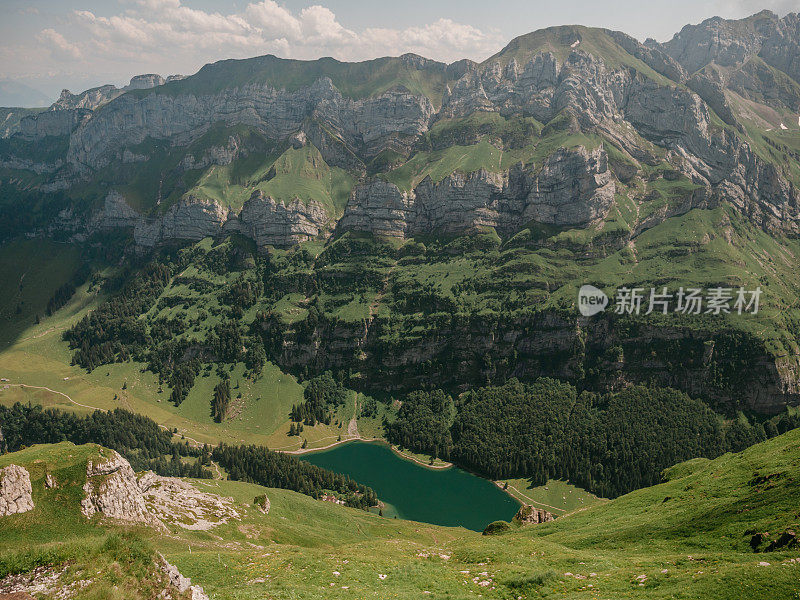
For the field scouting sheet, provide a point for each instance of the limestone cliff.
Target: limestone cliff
(131, 119)
(652, 101)
(267, 221)
(573, 187)
(111, 489)
(15, 491)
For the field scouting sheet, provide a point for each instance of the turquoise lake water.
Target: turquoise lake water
(410, 491)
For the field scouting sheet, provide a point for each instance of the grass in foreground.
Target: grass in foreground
(686, 538)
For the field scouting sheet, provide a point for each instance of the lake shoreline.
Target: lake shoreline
(382, 441)
(448, 496)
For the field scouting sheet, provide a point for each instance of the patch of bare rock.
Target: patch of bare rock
(178, 502)
(15, 491)
(528, 514)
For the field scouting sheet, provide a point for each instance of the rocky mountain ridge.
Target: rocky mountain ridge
(600, 83)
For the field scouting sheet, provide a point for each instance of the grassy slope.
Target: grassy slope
(486, 153)
(35, 355)
(161, 181)
(31, 271)
(685, 538)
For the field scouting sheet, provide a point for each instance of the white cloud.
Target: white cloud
(57, 45)
(443, 39)
(169, 36)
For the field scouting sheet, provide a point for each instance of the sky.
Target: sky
(76, 44)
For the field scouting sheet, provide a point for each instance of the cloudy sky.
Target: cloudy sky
(51, 44)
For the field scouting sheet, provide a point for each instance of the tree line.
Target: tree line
(144, 444)
(257, 464)
(147, 446)
(609, 444)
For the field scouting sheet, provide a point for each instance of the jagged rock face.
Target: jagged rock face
(669, 116)
(271, 222)
(718, 40)
(112, 490)
(732, 45)
(680, 121)
(90, 99)
(130, 119)
(15, 491)
(574, 187)
(528, 514)
(263, 219)
(215, 155)
(756, 81)
(190, 219)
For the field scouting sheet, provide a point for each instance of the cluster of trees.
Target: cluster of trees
(147, 446)
(139, 439)
(423, 423)
(609, 443)
(257, 464)
(222, 399)
(113, 332)
(322, 395)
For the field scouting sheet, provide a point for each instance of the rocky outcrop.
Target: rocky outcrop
(572, 187)
(262, 503)
(112, 491)
(15, 491)
(178, 502)
(179, 582)
(267, 221)
(271, 222)
(89, 99)
(528, 514)
(215, 155)
(743, 50)
(190, 219)
(145, 82)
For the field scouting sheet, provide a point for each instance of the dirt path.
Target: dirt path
(526, 497)
(41, 387)
(76, 403)
(352, 426)
(352, 433)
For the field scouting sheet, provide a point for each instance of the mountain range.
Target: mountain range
(574, 155)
